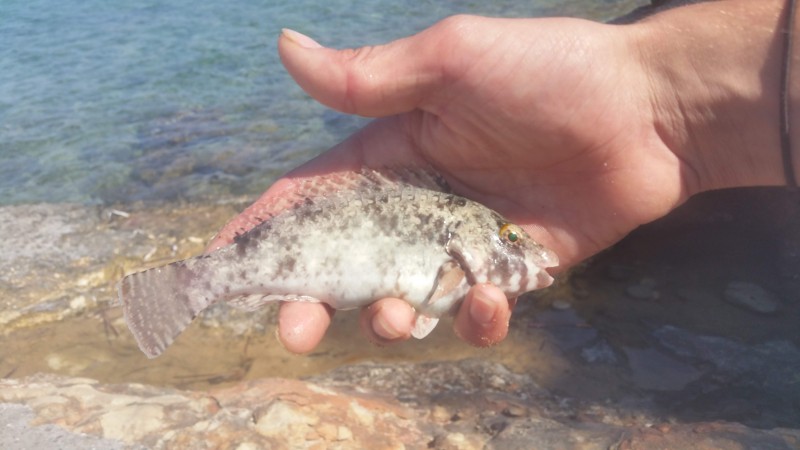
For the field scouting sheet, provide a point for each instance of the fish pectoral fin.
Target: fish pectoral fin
(461, 256)
(449, 283)
(423, 325)
(252, 302)
(448, 279)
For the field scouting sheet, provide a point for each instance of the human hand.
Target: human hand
(550, 122)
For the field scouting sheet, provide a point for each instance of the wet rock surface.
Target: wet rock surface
(469, 404)
(586, 365)
(60, 261)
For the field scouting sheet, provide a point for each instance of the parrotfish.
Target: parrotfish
(346, 240)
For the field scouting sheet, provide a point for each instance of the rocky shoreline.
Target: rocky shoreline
(466, 405)
(682, 336)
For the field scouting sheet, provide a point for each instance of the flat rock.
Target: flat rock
(17, 432)
(468, 404)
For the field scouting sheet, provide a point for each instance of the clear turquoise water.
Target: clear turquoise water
(144, 100)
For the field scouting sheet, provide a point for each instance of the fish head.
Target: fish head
(518, 261)
(502, 253)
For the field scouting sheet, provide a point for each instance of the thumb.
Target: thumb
(369, 81)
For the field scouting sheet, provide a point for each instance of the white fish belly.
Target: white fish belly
(355, 272)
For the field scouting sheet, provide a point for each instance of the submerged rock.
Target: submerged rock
(61, 260)
(775, 364)
(656, 371)
(599, 353)
(752, 383)
(752, 297)
(645, 289)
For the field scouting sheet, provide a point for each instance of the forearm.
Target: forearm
(715, 69)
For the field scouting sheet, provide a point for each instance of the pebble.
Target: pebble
(247, 446)
(600, 353)
(694, 295)
(133, 420)
(641, 292)
(619, 272)
(515, 411)
(561, 304)
(440, 414)
(343, 433)
(649, 282)
(118, 212)
(751, 296)
(78, 303)
(328, 431)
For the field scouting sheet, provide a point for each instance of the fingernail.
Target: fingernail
(385, 329)
(300, 39)
(482, 309)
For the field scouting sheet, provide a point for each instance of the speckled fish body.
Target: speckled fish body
(379, 236)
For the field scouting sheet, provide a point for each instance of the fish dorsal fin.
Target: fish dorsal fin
(365, 179)
(425, 178)
(303, 190)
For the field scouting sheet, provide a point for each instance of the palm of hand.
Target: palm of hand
(548, 134)
(536, 119)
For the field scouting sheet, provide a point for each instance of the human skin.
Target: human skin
(577, 131)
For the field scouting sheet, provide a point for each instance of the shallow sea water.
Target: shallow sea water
(148, 100)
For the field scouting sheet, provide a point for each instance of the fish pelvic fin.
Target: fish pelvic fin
(423, 325)
(157, 305)
(255, 302)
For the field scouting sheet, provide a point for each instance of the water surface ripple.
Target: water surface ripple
(143, 99)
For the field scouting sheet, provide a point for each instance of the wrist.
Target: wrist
(715, 71)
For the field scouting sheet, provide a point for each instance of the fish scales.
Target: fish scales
(380, 236)
(362, 252)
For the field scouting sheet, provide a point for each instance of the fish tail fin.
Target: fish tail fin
(157, 305)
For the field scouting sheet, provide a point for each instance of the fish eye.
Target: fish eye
(510, 233)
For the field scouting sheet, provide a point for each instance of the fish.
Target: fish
(345, 239)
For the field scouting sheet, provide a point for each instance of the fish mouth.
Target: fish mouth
(537, 276)
(548, 258)
(544, 279)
